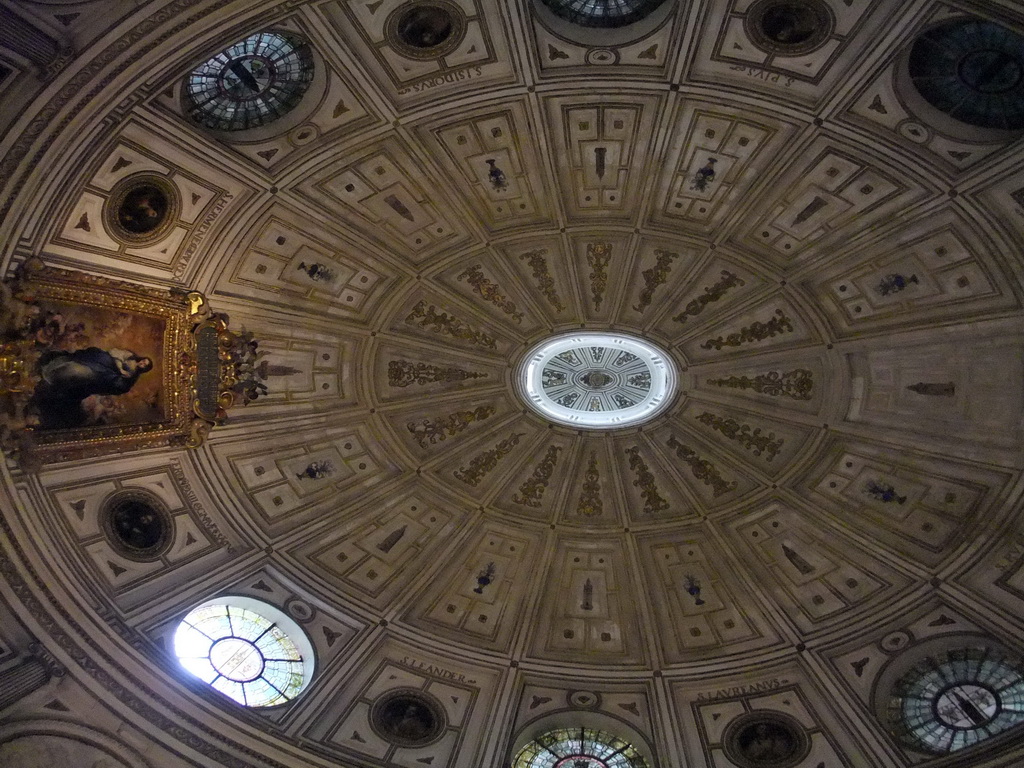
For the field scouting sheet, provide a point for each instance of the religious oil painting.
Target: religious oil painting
(89, 365)
(766, 739)
(426, 30)
(137, 525)
(94, 366)
(425, 26)
(407, 718)
(141, 209)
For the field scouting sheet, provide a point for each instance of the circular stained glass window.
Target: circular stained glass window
(251, 83)
(949, 702)
(249, 652)
(603, 13)
(142, 209)
(597, 380)
(579, 748)
(408, 717)
(973, 70)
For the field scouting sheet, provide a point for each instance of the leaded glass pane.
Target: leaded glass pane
(585, 747)
(947, 703)
(251, 83)
(240, 653)
(201, 668)
(603, 13)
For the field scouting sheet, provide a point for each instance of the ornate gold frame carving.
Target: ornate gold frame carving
(40, 294)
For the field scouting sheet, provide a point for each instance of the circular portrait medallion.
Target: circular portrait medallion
(955, 699)
(137, 525)
(141, 209)
(251, 83)
(426, 29)
(789, 27)
(408, 718)
(766, 739)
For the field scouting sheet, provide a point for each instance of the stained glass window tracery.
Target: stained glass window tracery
(579, 748)
(603, 13)
(241, 653)
(597, 380)
(973, 70)
(250, 83)
(958, 699)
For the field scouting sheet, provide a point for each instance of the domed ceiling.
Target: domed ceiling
(829, 263)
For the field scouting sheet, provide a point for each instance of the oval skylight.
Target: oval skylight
(595, 380)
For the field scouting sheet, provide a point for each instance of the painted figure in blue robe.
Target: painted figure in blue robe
(66, 379)
(704, 176)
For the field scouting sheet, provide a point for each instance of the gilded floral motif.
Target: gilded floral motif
(653, 502)
(747, 436)
(490, 292)
(480, 465)
(532, 491)
(590, 504)
(402, 373)
(702, 469)
(598, 257)
(756, 331)
(711, 293)
(545, 282)
(427, 316)
(655, 276)
(431, 432)
(796, 384)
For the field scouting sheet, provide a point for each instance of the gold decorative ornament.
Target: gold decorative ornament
(91, 366)
(655, 276)
(653, 501)
(532, 491)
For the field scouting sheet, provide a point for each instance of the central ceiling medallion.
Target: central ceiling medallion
(597, 380)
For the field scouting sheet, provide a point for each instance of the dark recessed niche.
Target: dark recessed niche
(251, 83)
(426, 29)
(141, 209)
(766, 739)
(973, 71)
(137, 525)
(603, 13)
(789, 27)
(408, 718)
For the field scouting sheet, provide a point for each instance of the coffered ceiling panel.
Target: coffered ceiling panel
(829, 272)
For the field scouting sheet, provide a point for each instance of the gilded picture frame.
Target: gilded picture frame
(92, 366)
